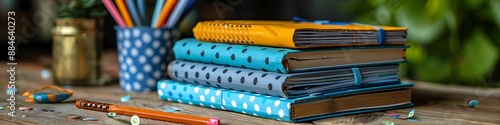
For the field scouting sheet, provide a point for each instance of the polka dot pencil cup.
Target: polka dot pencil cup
(143, 55)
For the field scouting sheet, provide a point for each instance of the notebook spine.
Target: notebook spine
(223, 32)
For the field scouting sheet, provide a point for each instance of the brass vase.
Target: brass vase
(76, 52)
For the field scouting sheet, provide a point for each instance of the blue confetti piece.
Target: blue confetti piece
(11, 90)
(125, 98)
(45, 74)
(395, 116)
(413, 120)
(473, 103)
(172, 109)
(411, 113)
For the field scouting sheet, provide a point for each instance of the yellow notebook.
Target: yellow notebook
(291, 34)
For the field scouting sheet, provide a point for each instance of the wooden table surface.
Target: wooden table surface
(434, 104)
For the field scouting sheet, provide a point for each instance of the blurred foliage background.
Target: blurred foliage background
(454, 42)
(80, 9)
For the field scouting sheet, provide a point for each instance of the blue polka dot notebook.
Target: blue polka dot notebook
(280, 84)
(285, 60)
(312, 107)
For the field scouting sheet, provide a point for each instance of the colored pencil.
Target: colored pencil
(114, 12)
(188, 9)
(176, 14)
(156, 13)
(124, 12)
(141, 8)
(133, 12)
(147, 113)
(166, 12)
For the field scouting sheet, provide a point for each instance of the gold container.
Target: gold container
(76, 52)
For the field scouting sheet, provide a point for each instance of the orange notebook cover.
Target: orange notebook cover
(289, 34)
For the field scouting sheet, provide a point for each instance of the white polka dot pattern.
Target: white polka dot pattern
(202, 98)
(138, 43)
(256, 107)
(137, 32)
(134, 52)
(139, 76)
(142, 56)
(237, 101)
(268, 110)
(254, 104)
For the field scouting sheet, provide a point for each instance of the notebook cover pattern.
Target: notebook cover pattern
(282, 33)
(250, 103)
(143, 55)
(271, 83)
(228, 77)
(252, 57)
(245, 56)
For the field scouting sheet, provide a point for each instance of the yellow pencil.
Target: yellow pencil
(124, 12)
(165, 13)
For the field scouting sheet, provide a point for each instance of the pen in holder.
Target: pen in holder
(143, 55)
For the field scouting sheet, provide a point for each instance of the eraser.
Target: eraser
(213, 121)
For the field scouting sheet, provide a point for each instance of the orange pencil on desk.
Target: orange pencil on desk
(146, 113)
(124, 12)
(165, 13)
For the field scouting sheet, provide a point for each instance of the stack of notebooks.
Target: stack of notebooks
(289, 71)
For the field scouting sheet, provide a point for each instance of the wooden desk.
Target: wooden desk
(434, 104)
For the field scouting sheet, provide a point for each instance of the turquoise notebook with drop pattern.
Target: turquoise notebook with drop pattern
(284, 60)
(312, 107)
(281, 84)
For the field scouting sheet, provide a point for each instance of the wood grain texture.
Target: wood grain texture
(435, 104)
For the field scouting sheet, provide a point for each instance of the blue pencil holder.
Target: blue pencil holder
(143, 55)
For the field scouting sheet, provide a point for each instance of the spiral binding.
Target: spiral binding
(96, 106)
(223, 32)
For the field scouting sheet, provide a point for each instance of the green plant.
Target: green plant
(451, 41)
(80, 9)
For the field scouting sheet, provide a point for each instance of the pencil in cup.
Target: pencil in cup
(156, 13)
(166, 12)
(125, 14)
(114, 12)
(146, 113)
(176, 13)
(133, 9)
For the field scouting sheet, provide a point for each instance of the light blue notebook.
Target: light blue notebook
(284, 60)
(280, 84)
(312, 107)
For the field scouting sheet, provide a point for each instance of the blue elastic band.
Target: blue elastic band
(381, 32)
(381, 35)
(357, 76)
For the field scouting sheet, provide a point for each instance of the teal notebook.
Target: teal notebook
(312, 107)
(284, 60)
